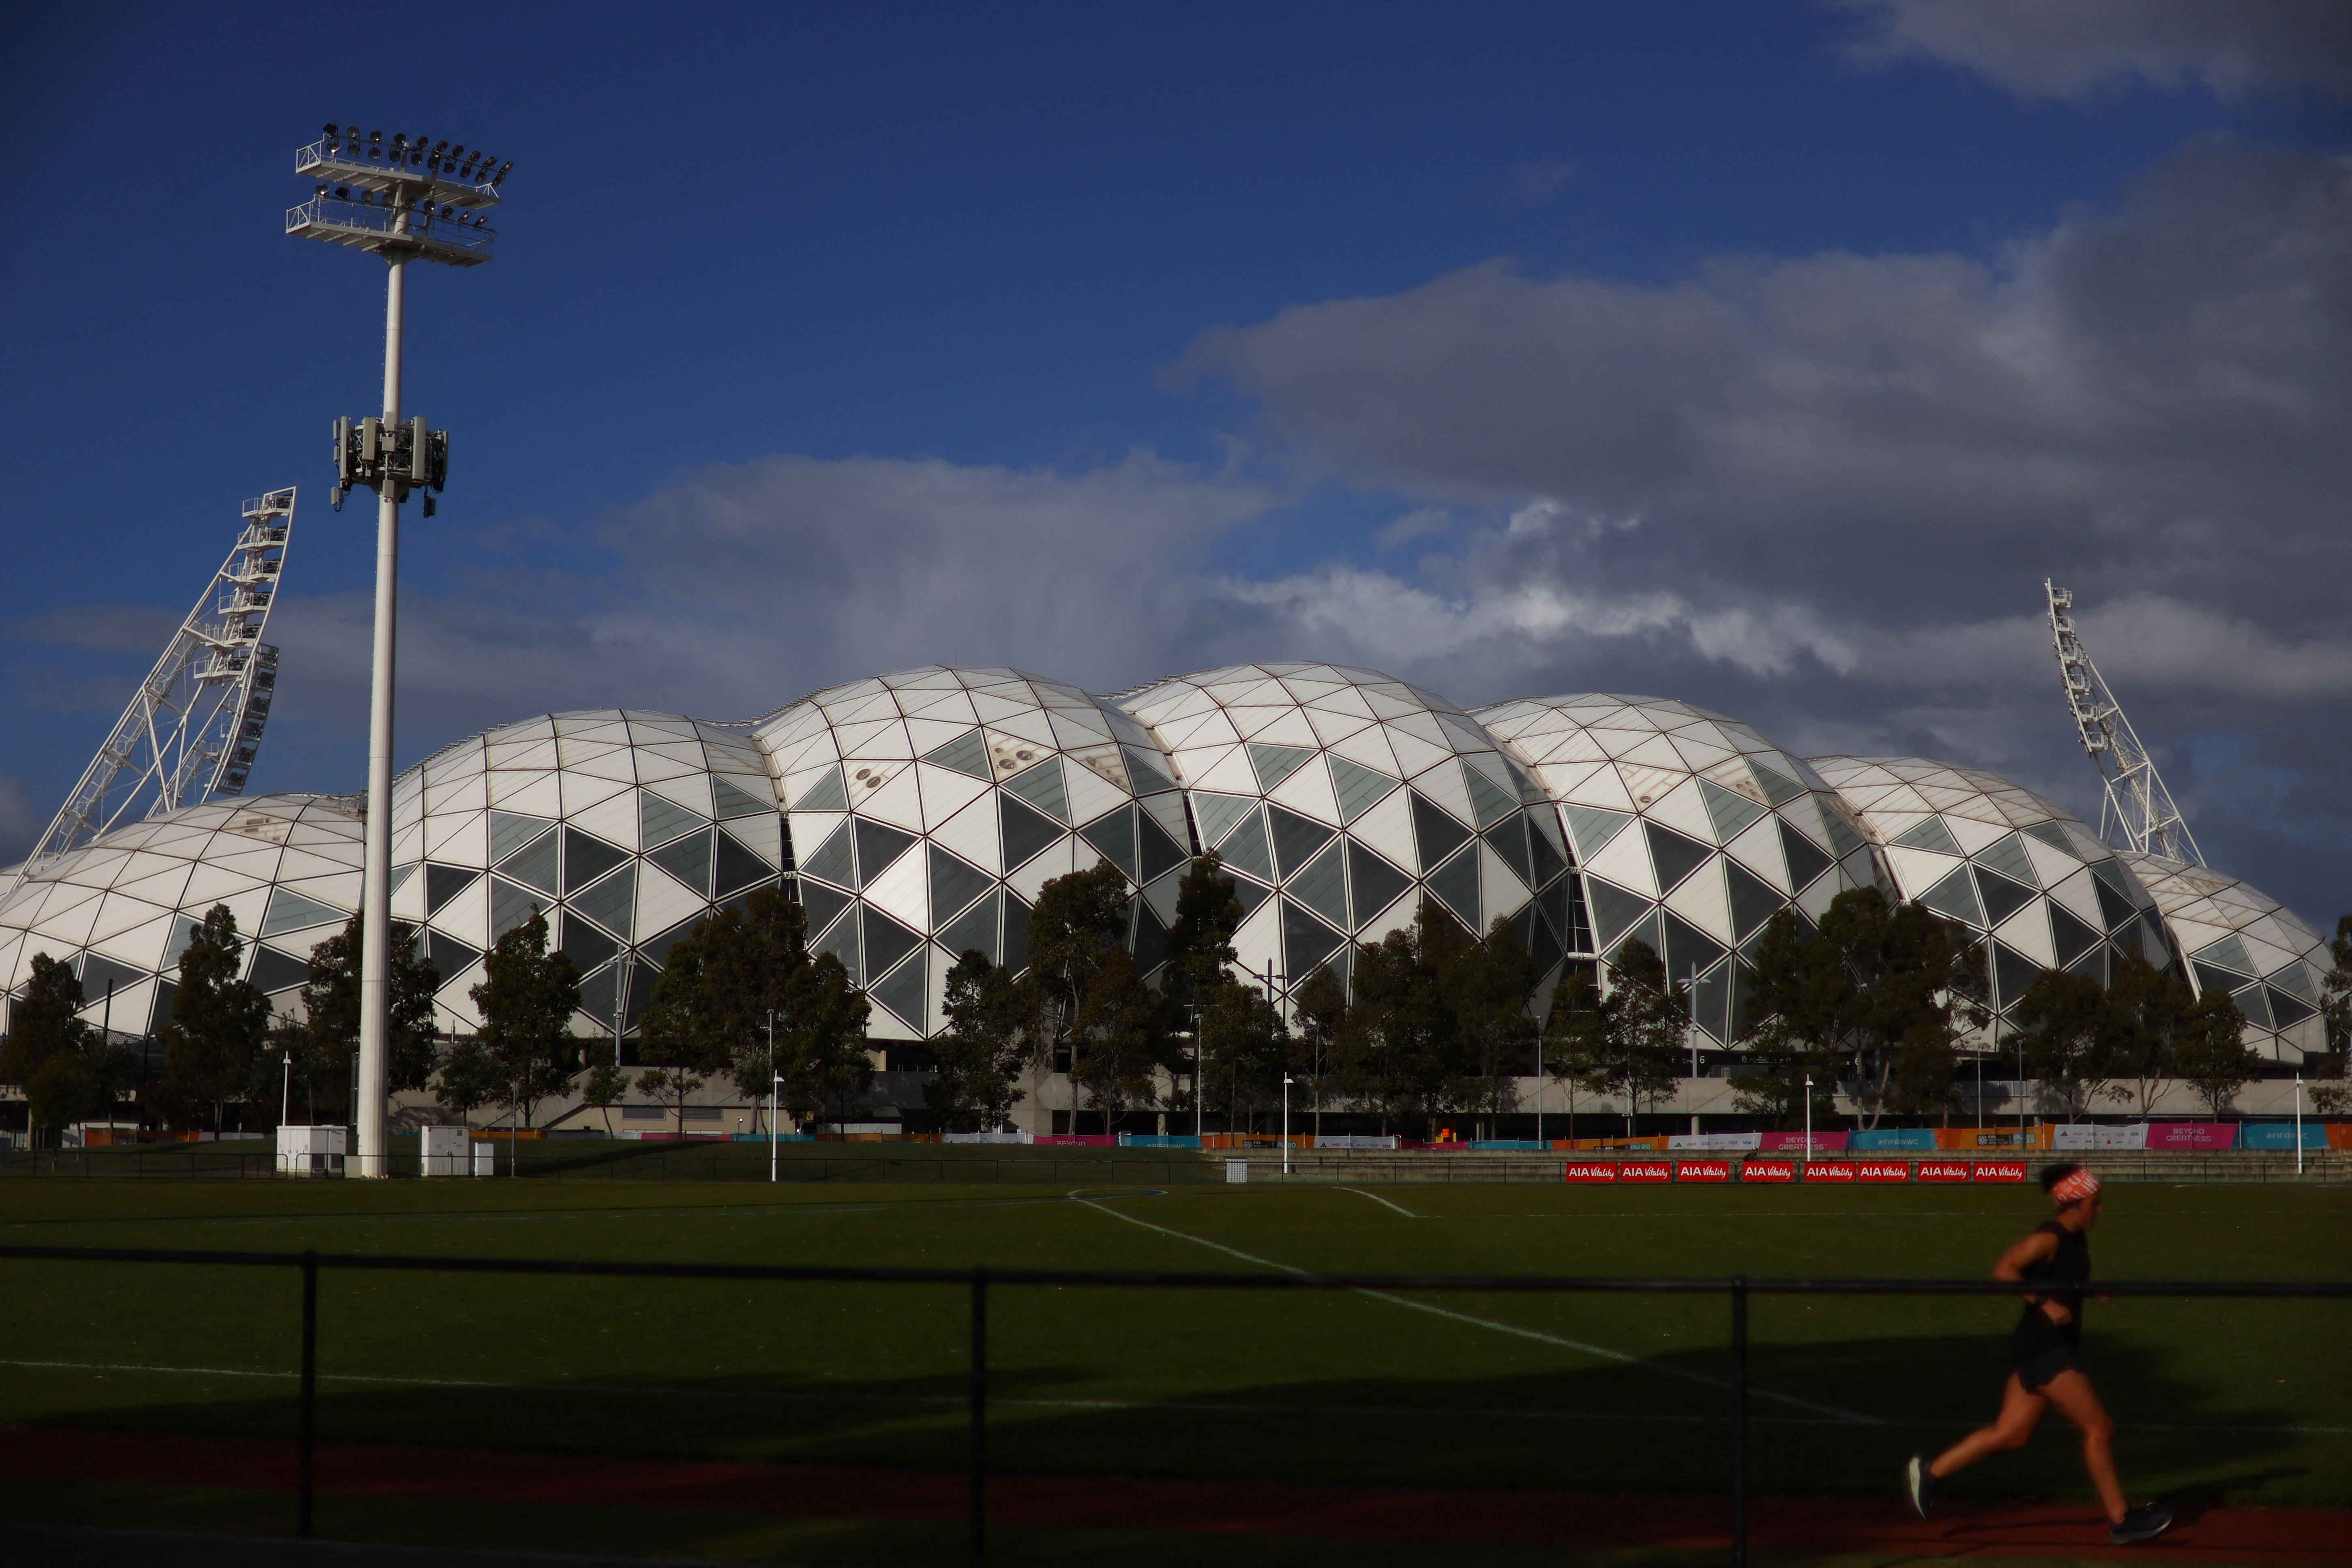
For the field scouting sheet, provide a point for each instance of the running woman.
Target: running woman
(2045, 1366)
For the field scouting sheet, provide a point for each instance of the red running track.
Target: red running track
(2291, 1538)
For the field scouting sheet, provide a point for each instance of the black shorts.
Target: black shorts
(2036, 1371)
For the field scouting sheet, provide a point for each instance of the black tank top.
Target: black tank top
(2069, 1265)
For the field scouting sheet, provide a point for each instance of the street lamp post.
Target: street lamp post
(1286, 1124)
(1809, 1117)
(775, 1095)
(403, 200)
(286, 1095)
(1690, 992)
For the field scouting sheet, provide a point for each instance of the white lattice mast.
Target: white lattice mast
(2138, 805)
(194, 726)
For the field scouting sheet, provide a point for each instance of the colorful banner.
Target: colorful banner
(1589, 1171)
(1823, 1143)
(1775, 1170)
(2339, 1135)
(1883, 1171)
(1646, 1171)
(2001, 1170)
(1655, 1143)
(2193, 1136)
(1828, 1171)
(1945, 1170)
(1968, 1139)
(1731, 1142)
(2091, 1135)
(1894, 1138)
(2280, 1135)
(1702, 1170)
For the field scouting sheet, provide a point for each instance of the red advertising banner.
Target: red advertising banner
(2001, 1170)
(1945, 1170)
(1702, 1170)
(1884, 1171)
(1767, 1170)
(2192, 1135)
(1594, 1171)
(1646, 1171)
(1829, 1171)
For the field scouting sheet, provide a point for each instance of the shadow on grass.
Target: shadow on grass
(1660, 1425)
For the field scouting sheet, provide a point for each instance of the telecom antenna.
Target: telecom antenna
(193, 728)
(2138, 805)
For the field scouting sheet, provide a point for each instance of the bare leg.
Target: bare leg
(2072, 1393)
(2020, 1412)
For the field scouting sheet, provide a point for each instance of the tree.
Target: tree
(2068, 1037)
(1242, 1047)
(1078, 923)
(330, 1033)
(527, 998)
(1400, 1046)
(2209, 1053)
(65, 1068)
(1199, 948)
(1320, 1003)
(1628, 1042)
(1792, 1008)
(218, 1021)
(1916, 982)
(1572, 1036)
(471, 1077)
(1487, 986)
(1119, 1025)
(605, 1084)
(2144, 1007)
(2332, 1094)
(980, 1055)
(672, 1086)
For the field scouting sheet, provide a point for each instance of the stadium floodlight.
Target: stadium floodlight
(404, 204)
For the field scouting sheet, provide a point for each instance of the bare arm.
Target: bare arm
(2035, 1248)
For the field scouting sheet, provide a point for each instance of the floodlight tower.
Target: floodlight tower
(408, 199)
(2138, 805)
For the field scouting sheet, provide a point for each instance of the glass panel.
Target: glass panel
(510, 831)
(1930, 834)
(1954, 896)
(734, 868)
(1042, 787)
(274, 971)
(449, 957)
(821, 904)
(828, 794)
(841, 942)
(902, 990)
(1245, 849)
(878, 845)
(1016, 933)
(1806, 859)
(1275, 763)
(536, 863)
(659, 820)
(1675, 856)
(441, 883)
(588, 946)
(2002, 898)
(1322, 885)
(1728, 811)
(1593, 826)
(512, 905)
(688, 859)
(1145, 773)
(2007, 857)
(1360, 788)
(1295, 839)
(1306, 942)
(1614, 910)
(733, 802)
(1434, 830)
(887, 940)
(1456, 884)
(1161, 853)
(1688, 950)
(1491, 804)
(1753, 899)
(1510, 841)
(1375, 883)
(1113, 837)
(954, 883)
(2070, 938)
(974, 930)
(967, 754)
(2229, 953)
(2052, 835)
(1025, 834)
(289, 910)
(612, 903)
(2013, 974)
(587, 857)
(2119, 910)
(1214, 815)
(1778, 790)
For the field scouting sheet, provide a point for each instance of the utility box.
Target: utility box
(1237, 1170)
(486, 1158)
(445, 1150)
(311, 1150)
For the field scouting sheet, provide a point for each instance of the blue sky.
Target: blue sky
(1766, 354)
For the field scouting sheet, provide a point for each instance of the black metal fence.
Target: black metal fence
(1736, 1288)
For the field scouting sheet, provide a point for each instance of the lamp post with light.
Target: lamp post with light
(403, 200)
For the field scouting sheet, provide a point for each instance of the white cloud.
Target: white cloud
(2074, 49)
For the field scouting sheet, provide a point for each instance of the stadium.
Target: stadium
(916, 816)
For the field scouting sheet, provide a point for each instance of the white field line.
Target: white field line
(1220, 1407)
(1384, 1203)
(1603, 1353)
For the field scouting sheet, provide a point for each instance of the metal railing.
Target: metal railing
(1737, 1288)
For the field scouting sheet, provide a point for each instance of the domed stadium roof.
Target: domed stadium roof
(1357, 796)
(1975, 846)
(1732, 829)
(2237, 940)
(120, 911)
(625, 828)
(929, 807)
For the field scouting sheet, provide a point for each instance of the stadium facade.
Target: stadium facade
(916, 816)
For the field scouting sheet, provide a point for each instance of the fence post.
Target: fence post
(1739, 1421)
(309, 1392)
(979, 1416)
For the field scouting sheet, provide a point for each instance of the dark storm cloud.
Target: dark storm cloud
(2045, 48)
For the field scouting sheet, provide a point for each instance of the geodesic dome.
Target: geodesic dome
(624, 827)
(121, 910)
(930, 807)
(1342, 798)
(2025, 872)
(2237, 940)
(1693, 830)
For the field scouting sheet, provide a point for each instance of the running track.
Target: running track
(2252, 1536)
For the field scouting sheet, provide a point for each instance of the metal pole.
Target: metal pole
(1739, 1421)
(375, 899)
(310, 1393)
(2298, 1124)
(979, 1416)
(1286, 1124)
(1809, 1116)
(286, 1095)
(1690, 991)
(775, 1095)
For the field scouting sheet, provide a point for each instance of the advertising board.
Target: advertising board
(1794, 1142)
(1829, 1171)
(2001, 1170)
(1883, 1171)
(1767, 1170)
(1590, 1170)
(1646, 1171)
(1944, 1170)
(1702, 1170)
(2192, 1135)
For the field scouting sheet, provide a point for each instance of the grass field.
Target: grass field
(2220, 1402)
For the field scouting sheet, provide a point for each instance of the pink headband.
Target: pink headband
(2076, 1186)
